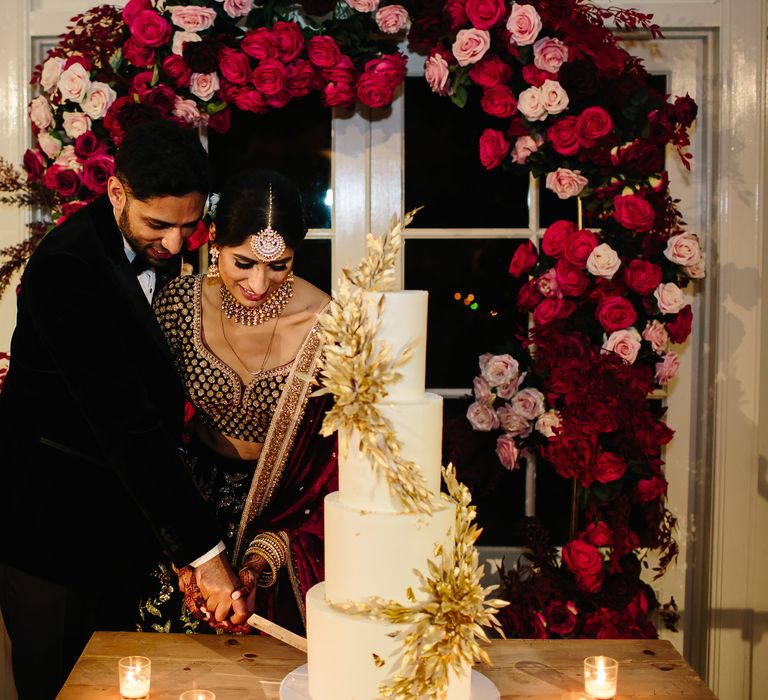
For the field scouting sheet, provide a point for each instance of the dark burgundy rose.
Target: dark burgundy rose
(493, 148)
(88, 145)
(234, 66)
(633, 212)
(679, 328)
(149, 28)
(299, 77)
(609, 467)
(339, 95)
(323, 51)
(578, 246)
(202, 56)
(685, 110)
(499, 101)
(562, 136)
(610, 60)
(220, 121)
(571, 280)
(661, 129)
(290, 40)
(137, 54)
(318, 8)
(555, 237)
(536, 76)
(578, 79)
(639, 157)
(96, 171)
(124, 113)
(374, 90)
(78, 59)
(175, 68)
(642, 276)
(617, 592)
(162, 98)
(269, 76)
(260, 44)
(490, 71)
(343, 71)
(63, 180)
(34, 165)
(523, 260)
(615, 313)
(485, 13)
(552, 309)
(456, 10)
(561, 617)
(426, 31)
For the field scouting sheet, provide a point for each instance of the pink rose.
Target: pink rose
(625, 343)
(553, 97)
(683, 249)
(562, 136)
(436, 73)
(97, 171)
(68, 159)
(187, 111)
(204, 85)
(512, 422)
(499, 101)
(615, 313)
(549, 54)
(40, 112)
(550, 310)
(566, 183)
(74, 83)
(260, 43)
(51, 73)
(507, 451)
(523, 260)
(633, 212)
(603, 261)
(547, 422)
(363, 5)
(555, 237)
(192, 18)
(150, 29)
(181, 38)
(500, 370)
(269, 76)
(238, 8)
(485, 13)
(530, 102)
(571, 280)
(323, 51)
(524, 24)
(493, 148)
(579, 246)
(49, 144)
(98, 100)
(76, 124)
(507, 391)
(548, 284)
(482, 391)
(670, 298)
(290, 40)
(529, 403)
(656, 334)
(392, 19)
(470, 45)
(698, 270)
(482, 417)
(667, 368)
(524, 146)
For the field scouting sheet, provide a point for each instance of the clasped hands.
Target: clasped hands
(214, 593)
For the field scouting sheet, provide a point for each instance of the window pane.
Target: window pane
(294, 140)
(313, 262)
(443, 172)
(552, 208)
(457, 334)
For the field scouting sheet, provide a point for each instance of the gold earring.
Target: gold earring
(213, 268)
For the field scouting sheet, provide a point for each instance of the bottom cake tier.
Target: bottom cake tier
(349, 656)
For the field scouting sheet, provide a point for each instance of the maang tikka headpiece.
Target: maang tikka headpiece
(268, 245)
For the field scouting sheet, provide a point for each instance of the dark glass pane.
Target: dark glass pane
(552, 208)
(294, 140)
(443, 172)
(313, 262)
(457, 334)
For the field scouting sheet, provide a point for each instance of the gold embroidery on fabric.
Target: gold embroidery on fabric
(291, 566)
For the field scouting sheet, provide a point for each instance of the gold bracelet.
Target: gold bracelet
(273, 548)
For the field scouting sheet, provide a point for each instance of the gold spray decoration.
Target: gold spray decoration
(442, 630)
(357, 368)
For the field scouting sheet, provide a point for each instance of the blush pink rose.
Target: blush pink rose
(363, 5)
(392, 19)
(499, 370)
(603, 261)
(670, 298)
(49, 144)
(512, 422)
(40, 112)
(470, 45)
(507, 391)
(51, 73)
(524, 24)
(530, 102)
(698, 270)
(181, 38)
(547, 422)
(667, 368)
(187, 111)
(67, 159)
(547, 284)
(482, 417)
(74, 83)
(204, 85)
(549, 54)
(553, 97)
(625, 343)
(192, 18)
(482, 391)
(238, 8)
(436, 72)
(566, 183)
(683, 249)
(98, 100)
(529, 403)
(76, 124)
(524, 146)
(656, 334)
(507, 451)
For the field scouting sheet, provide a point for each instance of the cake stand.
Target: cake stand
(295, 686)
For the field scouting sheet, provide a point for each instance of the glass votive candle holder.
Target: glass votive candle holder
(134, 673)
(197, 695)
(601, 675)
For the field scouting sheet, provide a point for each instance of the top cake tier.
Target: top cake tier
(404, 319)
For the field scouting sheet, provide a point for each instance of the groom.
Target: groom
(95, 490)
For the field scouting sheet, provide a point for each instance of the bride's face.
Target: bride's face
(249, 280)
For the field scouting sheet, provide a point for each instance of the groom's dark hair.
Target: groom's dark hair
(160, 158)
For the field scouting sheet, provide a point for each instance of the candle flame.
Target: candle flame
(600, 670)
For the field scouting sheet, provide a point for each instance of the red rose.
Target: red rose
(65, 181)
(586, 563)
(162, 98)
(137, 54)
(523, 260)
(323, 51)
(597, 534)
(299, 77)
(485, 13)
(142, 82)
(571, 280)
(220, 121)
(269, 76)
(234, 66)
(374, 90)
(490, 71)
(69, 208)
(615, 313)
(80, 60)
(561, 617)
(679, 328)
(133, 7)
(642, 276)
(278, 100)
(391, 67)
(493, 148)
(578, 246)
(661, 129)
(591, 125)
(199, 236)
(609, 467)
(96, 171)
(633, 212)
(640, 156)
(649, 489)
(34, 164)
(343, 71)
(249, 100)
(124, 113)
(339, 95)
(552, 309)
(536, 76)
(260, 43)
(457, 11)
(290, 40)
(555, 237)
(528, 296)
(177, 70)
(499, 101)
(562, 136)
(150, 29)
(88, 145)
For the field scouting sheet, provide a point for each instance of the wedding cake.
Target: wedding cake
(373, 543)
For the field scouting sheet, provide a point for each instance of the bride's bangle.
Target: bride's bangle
(273, 548)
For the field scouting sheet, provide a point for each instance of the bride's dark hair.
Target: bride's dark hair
(244, 206)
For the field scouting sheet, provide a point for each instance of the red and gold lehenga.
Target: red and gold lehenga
(282, 491)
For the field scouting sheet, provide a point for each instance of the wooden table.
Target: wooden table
(251, 667)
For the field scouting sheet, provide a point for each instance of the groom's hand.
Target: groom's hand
(217, 581)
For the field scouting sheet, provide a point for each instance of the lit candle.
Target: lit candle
(601, 675)
(134, 673)
(197, 695)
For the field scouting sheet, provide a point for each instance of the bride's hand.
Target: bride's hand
(249, 575)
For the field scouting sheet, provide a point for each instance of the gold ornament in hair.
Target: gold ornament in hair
(268, 245)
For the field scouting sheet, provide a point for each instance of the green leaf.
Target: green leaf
(213, 107)
(116, 59)
(459, 97)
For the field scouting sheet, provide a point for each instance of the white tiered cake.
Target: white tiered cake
(372, 543)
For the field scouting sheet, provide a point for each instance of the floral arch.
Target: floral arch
(606, 293)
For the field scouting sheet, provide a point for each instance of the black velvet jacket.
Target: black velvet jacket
(93, 484)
